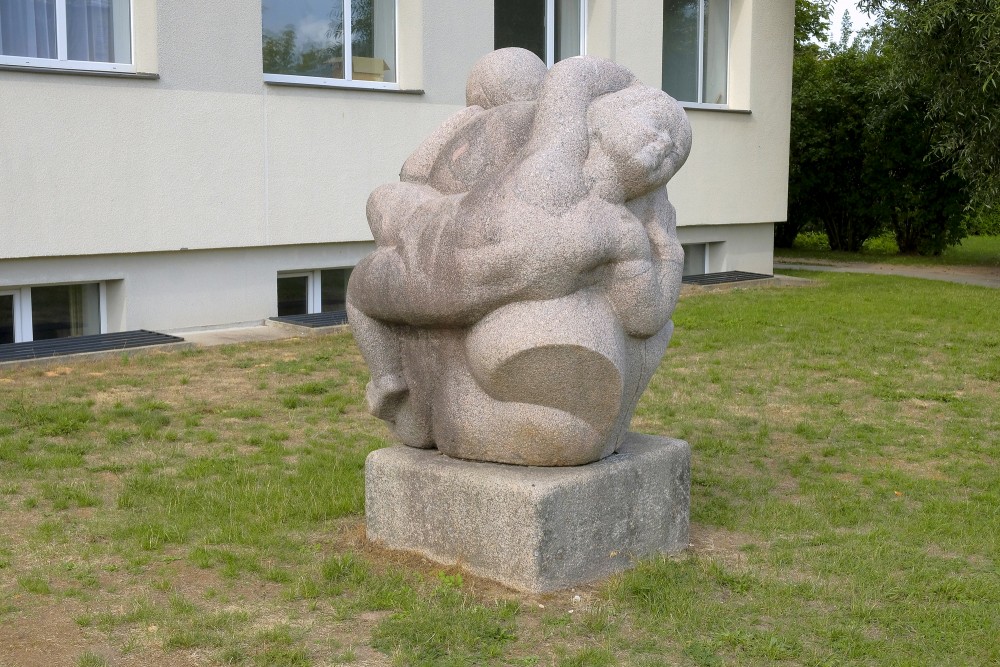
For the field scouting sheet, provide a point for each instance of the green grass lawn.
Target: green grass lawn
(206, 507)
(972, 251)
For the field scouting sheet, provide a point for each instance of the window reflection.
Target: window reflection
(308, 38)
(334, 289)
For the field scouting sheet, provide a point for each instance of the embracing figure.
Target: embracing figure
(526, 266)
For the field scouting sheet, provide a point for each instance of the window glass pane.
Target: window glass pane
(567, 29)
(373, 40)
(61, 311)
(716, 50)
(680, 49)
(28, 28)
(694, 259)
(303, 37)
(520, 23)
(333, 292)
(6, 318)
(98, 31)
(293, 295)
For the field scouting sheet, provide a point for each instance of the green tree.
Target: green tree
(921, 200)
(860, 161)
(949, 50)
(812, 22)
(830, 180)
(812, 26)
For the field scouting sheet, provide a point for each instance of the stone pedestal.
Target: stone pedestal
(533, 529)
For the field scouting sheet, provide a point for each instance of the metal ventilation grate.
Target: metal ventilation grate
(57, 347)
(329, 319)
(724, 277)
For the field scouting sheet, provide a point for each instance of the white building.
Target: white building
(160, 173)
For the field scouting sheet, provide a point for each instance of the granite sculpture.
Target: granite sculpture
(526, 265)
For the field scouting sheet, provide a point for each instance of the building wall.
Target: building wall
(744, 247)
(208, 155)
(175, 291)
(195, 188)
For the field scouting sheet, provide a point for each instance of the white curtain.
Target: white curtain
(716, 51)
(97, 30)
(28, 28)
(384, 27)
(568, 20)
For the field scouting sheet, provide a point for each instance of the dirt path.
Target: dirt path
(986, 276)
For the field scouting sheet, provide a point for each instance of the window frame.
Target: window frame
(23, 316)
(311, 284)
(62, 61)
(331, 82)
(314, 286)
(550, 30)
(701, 59)
(16, 307)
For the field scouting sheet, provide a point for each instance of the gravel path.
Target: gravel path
(986, 276)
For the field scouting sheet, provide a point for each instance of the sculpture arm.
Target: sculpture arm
(568, 90)
(419, 166)
(435, 278)
(428, 278)
(645, 285)
(560, 143)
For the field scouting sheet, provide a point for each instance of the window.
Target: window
(9, 316)
(696, 50)
(309, 42)
(52, 311)
(69, 34)
(320, 291)
(553, 29)
(695, 259)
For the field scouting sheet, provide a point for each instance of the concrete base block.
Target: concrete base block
(533, 529)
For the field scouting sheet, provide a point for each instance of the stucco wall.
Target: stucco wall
(171, 291)
(738, 169)
(744, 247)
(209, 156)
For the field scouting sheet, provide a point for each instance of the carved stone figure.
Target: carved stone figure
(526, 266)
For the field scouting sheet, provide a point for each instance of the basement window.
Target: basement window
(48, 312)
(314, 291)
(695, 259)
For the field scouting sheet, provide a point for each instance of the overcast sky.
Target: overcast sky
(858, 18)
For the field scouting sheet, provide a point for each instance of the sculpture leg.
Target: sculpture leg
(470, 424)
(380, 346)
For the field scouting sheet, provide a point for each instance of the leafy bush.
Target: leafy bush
(829, 180)
(984, 222)
(861, 162)
(922, 202)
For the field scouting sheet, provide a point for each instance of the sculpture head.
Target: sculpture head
(503, 76)
(644, 134)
